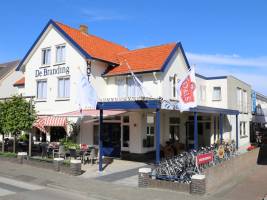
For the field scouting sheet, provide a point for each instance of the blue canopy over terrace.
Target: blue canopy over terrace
(156, 104)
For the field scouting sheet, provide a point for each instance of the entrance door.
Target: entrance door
(112, 139)
(190, 135)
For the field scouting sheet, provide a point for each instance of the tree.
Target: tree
(18, 115)
(1, 125)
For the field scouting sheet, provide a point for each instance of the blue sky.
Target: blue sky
(219, 37)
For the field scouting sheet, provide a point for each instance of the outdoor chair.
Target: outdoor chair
(93, 156)
(61, 152)
(73, 154)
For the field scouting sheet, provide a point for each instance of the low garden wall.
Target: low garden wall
(72, 167)
(214, 177)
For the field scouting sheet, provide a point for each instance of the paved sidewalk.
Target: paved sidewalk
(90, 187)
(118, 172)
(253, 185)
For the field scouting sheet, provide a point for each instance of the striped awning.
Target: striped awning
(43, 122)
(39, 123)
(55, 121)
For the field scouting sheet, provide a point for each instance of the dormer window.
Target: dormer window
(46, 56)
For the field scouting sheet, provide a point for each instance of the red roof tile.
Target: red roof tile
(142, 60)
(93, 45)
(20, 82)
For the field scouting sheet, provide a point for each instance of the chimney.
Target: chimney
(84, 28)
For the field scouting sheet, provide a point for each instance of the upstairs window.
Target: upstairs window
(174, 82)
(245, 101)
(239, 98)
(217, 94)
(202, 93)
(46, 56)
(60, 54)
(64, 87)
(132, 88)
(121, 92)
(42, 89)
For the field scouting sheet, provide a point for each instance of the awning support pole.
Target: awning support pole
(195, 131)
(100, 142)
(236, 124)
(221, 128)
(157, 136)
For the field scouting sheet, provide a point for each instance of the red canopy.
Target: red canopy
(45, 121)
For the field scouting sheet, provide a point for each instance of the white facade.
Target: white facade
(160, 84)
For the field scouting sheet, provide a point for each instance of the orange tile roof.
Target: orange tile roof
(96, 47)
(20, 82)
(142, 60)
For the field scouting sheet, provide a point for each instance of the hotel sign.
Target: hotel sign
(48, 71)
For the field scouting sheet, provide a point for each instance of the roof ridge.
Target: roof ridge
(150, 47)
(9, 62)
(89, 34)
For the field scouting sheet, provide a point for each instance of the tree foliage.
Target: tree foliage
(1, 119)
(18, 115)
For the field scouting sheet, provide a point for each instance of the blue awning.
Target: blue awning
(156, 104)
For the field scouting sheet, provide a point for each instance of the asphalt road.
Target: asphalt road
(17, 190)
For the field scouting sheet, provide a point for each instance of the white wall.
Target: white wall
(74, 59)
(6, 84)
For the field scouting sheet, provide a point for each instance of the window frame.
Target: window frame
(137, 92)
(220, 97)
(42, 56)
(64, 60)
(64, 97)
(245, 101)
(37, 96)
(174, 124)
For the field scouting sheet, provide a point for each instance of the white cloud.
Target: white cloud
(102, 15)
(233, 60)
(255, 79)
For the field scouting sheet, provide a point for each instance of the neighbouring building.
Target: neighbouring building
(8, 76)
(259, 114)
(133, 127)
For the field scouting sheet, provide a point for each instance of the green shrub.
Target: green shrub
(8, 154)
(68, 144)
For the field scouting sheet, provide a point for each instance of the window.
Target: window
(174, 86)
(150, 131)
(60, 54)
(174, 134)
(132, 89)
(121, 92)
(46, 56)
(242, 130)
(125, 131)
(41, 89)
(202, 93)
(96, 134)
(216, 95)
(125, 136)
(64, 87)
(245, 101)
(239, 99)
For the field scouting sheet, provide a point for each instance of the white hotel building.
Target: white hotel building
(132, 127)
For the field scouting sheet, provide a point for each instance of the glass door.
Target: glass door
(125, 134)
